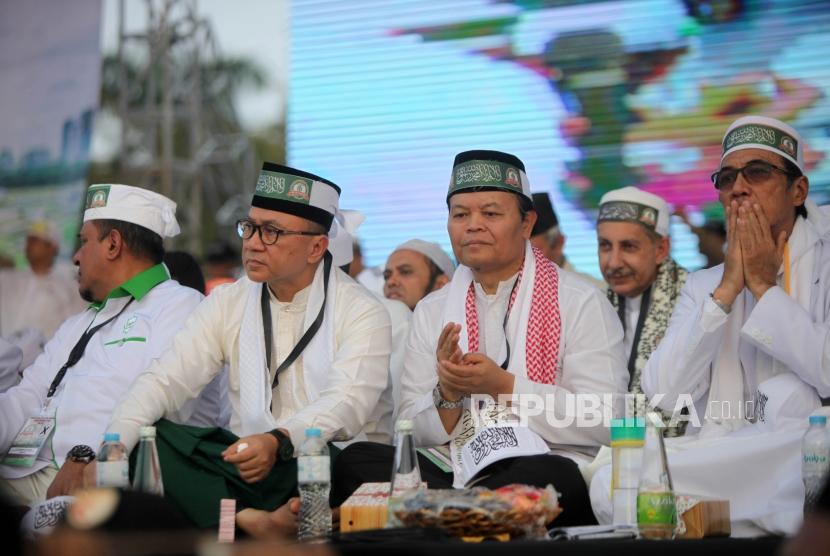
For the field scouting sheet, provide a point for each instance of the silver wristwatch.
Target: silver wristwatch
(443, 403)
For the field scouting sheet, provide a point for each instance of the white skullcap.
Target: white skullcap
(769, 134)
(45, 230)
(630, 204)
(132, 204)
(432, 251)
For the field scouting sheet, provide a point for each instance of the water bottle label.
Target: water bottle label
(815, 458)
(313, 469)
(656, 508)
(113, 473)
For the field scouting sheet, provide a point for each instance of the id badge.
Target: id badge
(29, 441)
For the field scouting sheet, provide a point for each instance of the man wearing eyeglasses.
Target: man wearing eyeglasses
(765, 311)
(748, 345)
(307, 347)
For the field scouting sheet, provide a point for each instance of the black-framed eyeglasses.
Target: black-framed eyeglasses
(268, 234)
(755, 173)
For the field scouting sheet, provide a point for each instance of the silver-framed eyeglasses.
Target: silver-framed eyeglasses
(268, 234)
(755, 173)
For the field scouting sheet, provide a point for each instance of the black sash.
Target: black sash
(309, 334)
(78, 351)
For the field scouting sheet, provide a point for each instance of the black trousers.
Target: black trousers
(369, 462)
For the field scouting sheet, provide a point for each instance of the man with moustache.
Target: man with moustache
(414, 269)
(307, 347)
(644, 282)
(74, 385)
(510, 325)
(748, 345)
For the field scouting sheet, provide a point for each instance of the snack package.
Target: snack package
(517, 511)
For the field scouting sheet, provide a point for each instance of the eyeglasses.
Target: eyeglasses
(268, 234)
(754, 173)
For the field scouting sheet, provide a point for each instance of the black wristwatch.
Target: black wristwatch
(81, 454)
(285, 449)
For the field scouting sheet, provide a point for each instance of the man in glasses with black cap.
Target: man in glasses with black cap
(306, 346)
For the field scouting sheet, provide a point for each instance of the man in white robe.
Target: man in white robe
(750, 335)
(510, 325)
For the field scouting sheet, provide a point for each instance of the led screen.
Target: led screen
(590, 95)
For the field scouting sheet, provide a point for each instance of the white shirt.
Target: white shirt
(33, 306)
(590, 361)
(10, 357)
(210, 339)
(772, 335)
(632, 314)
(90, 390)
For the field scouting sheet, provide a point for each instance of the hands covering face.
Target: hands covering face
(753, 256)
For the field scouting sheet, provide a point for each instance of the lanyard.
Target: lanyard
(78, 351)
(504, 324)
(641, 319)
(309, 334)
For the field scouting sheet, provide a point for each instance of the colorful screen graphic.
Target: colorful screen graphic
(590, 95)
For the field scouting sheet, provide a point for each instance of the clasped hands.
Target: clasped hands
(461, 374)
(753, 255)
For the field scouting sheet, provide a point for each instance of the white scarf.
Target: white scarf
(255, 382)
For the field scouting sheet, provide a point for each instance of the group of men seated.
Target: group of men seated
(510, 334)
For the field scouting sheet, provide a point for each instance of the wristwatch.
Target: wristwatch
(81, 454)
(285, 448)
(441, 402)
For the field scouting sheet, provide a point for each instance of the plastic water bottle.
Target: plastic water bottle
(314, 481)
(406, 475)
(112, 468)
(147, 470)
(627, 439)
(656, 509)
(815, 458)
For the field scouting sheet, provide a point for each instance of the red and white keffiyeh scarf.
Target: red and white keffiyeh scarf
(544, 323)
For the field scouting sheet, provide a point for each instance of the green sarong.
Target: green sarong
(196, 478)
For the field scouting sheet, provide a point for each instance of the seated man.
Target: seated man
(643, 280)
(306, 347)
(748, 344)
(35, 301)
(548, 238)
(88, 365)
(414, 269)
(509, 323)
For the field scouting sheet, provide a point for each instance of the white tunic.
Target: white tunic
(210, 338)
(33, 306)
(90, 390)
(705, 349)
(590, 362)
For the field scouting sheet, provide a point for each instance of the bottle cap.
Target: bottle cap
(312, 433)
(112, 437)
(630, 428)
(147, 432)
(404, 425)
(818, 420)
